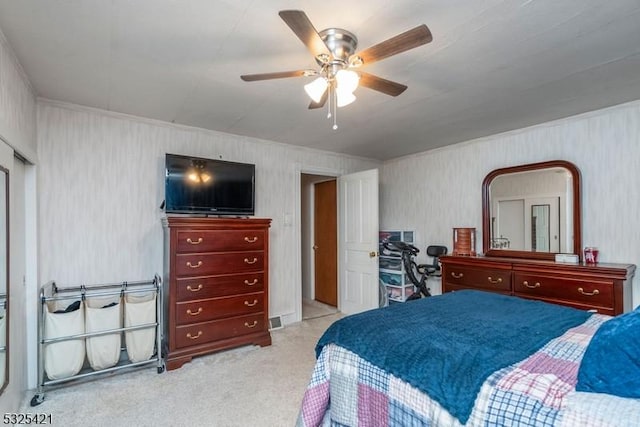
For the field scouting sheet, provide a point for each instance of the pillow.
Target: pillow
(611, 363)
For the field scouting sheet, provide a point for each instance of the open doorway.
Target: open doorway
(319, 245)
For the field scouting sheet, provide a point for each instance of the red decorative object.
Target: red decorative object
(591, 255)
(464, 241)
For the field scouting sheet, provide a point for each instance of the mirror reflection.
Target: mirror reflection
(4, 274)
(532, 211)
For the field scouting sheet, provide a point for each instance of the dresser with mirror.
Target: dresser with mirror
(530, 213)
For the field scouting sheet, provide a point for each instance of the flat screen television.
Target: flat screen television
(215, 187)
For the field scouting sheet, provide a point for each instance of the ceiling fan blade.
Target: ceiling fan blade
(298, 21)
(381, 85)
(402, 42)
(313, 105)
(278, 75)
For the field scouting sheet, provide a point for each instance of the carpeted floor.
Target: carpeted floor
(247, 386)
(312, 309)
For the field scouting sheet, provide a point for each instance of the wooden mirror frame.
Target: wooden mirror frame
(486, 211)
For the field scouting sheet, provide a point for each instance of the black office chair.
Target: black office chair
(434, 251)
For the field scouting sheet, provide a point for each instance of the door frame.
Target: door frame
(300, 169)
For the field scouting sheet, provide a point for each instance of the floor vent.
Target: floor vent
(275, 323)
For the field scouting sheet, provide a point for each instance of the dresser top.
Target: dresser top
(627, 270)
(212, 223)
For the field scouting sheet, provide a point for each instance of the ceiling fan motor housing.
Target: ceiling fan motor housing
(341, 43)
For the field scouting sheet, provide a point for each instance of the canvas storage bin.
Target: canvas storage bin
(140, 309)
(103, 314)
(65, 358)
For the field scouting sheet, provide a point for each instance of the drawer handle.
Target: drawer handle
(253, 261)
(494, 281)
(251, 239)
(199, 264)
(199, 288)
(456, 276)
(191, 313)
(253, 325)
(535, 285)
(595, 292)
(191, 337)
(251, 304)
(248, 283)
(197, 242)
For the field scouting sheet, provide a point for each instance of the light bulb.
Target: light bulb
(193, 176)
(347, 80)
(316, 89)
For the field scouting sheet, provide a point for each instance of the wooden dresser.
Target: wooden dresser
(216, 280)
(602, 287)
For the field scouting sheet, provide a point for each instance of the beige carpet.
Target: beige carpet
(312, 309)
(247, 386)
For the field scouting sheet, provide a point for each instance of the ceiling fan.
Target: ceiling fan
(334, 50)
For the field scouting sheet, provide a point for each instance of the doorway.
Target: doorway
(319, 245)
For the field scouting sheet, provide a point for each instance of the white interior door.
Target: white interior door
(358, 241)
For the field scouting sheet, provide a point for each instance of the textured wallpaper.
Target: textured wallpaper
(101, 182)
(434, 191)
(17, 104)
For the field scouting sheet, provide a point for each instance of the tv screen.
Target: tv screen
(216, 187)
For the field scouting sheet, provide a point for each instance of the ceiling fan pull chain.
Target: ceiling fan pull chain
(335, 111)
(329, 103)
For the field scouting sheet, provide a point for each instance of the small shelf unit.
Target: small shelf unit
(391, 269)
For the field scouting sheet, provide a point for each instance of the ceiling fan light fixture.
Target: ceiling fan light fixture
(347, 80)
(344, 98)
(316, 88)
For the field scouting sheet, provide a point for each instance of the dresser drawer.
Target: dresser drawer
(217, 308)
(452, 288)
(189, 265)
(472, 278)
(190, 241)
(194, 288)
(205, 332)
(585, 291)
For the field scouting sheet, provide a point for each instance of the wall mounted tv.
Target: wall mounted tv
(215, 187)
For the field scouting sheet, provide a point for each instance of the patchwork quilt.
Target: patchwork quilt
(346, 390)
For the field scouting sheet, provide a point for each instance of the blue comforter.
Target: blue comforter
(446, 346)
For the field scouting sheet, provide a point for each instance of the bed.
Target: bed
(478, 359)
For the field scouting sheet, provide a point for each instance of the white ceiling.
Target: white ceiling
(493, 65)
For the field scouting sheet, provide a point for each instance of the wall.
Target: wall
(434, 191)
(101, 184)
(17, 104)
(18, 131)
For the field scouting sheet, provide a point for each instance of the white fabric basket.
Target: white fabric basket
(103, 351)
(140, 309)
(63, 359)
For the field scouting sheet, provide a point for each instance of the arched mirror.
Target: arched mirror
(532, 211)
(4, 278)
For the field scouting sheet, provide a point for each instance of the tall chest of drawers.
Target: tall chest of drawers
(605, 288)
(216, 279)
